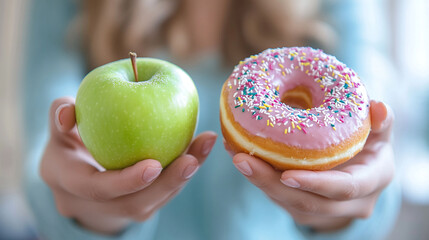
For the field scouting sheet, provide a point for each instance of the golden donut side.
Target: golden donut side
(285, 157)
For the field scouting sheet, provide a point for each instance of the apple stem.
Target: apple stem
(133, 57)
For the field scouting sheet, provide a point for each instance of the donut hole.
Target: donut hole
(298, 97)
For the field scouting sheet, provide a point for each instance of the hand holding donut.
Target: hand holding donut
(330, 200)
(295, 108)
(106, 201)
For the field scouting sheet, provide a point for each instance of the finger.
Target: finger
(322, 224)
(326, 208)
(260, 173)
(372, 173)
(166, 186)
(266, 178)
(381, 120)
(85, 181)
(62, 117)
(174, 177)
(202, 145)
(137, 206)
(167, 198)
(65, 118)
(331, 184)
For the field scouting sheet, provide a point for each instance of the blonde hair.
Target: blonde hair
(112, 28)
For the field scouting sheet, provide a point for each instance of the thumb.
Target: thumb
(62, 117)
(381, 120)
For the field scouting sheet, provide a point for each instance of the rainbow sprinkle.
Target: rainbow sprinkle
(257, 90)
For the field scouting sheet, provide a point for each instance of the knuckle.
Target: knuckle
(46, 170)
(350, 192)
(172, 186)
(390, 170)
(133, 185)
(62, 206)
(134, 209)
(96, 195)
(308, 207)
(143, 215)
(368, 209)
(275, 200)
(63, 211)
(127, 211)
(390, 174)
(366, 213)
(262, 184)
(303, 220)
(44, 174)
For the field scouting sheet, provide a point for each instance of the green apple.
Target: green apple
(122, 121)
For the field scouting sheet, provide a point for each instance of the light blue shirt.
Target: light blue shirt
(218, 202)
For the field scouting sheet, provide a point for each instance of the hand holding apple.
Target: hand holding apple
(122, 121)
(107, 201)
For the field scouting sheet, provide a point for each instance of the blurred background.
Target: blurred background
(404, 64)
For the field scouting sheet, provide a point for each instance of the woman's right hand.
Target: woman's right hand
(107, 201)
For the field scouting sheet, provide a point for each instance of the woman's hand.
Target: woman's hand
(330, 200)
(107, 201)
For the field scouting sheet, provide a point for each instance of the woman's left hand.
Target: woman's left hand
(330, 200)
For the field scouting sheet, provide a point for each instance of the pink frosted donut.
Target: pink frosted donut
(295, 108)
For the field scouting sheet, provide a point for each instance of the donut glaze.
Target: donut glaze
(296, 108)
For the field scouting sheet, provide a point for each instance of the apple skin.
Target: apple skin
(121, 121)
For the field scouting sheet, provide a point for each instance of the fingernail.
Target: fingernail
(151, 173)
(244, 168)
(290, 182)
(58, 122)
(190, 171)
(207, 146)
